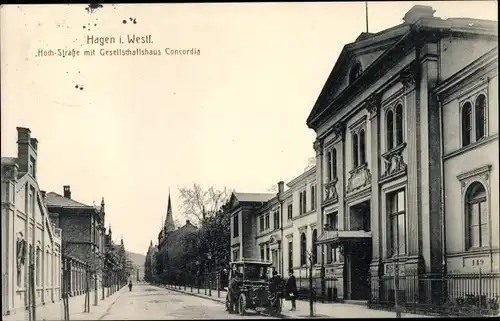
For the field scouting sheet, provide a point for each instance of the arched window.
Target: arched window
(329, 167)
(390, 130)
(480, 110)
(315, 246)
(303, 251)
(399, 124)
(38, 266)
(362, 145)
(355, 150)
(334, 163)
(477, 215)
(355, 72)
(466, 124)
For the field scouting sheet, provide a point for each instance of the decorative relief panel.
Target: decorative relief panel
(359, 177)
(331, 194)
(393, 161)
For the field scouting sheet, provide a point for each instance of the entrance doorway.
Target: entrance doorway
(360, 252)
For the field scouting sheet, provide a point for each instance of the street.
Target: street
(147, 302)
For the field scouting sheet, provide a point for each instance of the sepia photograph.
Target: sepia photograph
(258, 160)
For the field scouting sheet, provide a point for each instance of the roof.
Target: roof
(56, 200)
(392, 43)
(254, 197)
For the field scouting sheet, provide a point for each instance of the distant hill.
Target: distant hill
(138, 260)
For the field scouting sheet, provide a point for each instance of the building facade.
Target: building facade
(406, 170)
(279, 228)
(407, 129)
(28, 237)
(166, 256)
(83, 241)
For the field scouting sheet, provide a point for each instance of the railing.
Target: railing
(454, 294)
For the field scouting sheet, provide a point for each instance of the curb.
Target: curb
(118, 294)
(194, 294)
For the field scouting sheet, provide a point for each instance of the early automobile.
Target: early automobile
(252, 290)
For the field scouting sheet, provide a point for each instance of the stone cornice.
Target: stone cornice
(469, 73)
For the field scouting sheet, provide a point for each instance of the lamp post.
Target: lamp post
(209, 257)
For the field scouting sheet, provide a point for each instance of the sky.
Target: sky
(233, 116)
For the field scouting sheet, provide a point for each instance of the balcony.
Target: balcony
(331, 195)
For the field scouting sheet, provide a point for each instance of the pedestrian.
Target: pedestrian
(130, 285)
(233, 291)
(291, 289)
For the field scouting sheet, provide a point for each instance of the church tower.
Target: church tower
(169, 220)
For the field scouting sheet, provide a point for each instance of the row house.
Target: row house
(83, 239)
(28, 237)
(406, 155)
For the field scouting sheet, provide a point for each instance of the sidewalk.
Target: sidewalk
(54, 311)
(321, 310)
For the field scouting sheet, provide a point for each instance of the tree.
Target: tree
(311, 162)
(272, 189)
(197, 203)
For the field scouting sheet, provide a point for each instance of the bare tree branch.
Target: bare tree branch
(272, 189)
(311, 162)
(197, 202)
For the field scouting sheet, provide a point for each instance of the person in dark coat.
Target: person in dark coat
(233, 289)
(291, 289)
(130, 285)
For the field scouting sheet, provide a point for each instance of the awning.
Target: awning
(342, 236)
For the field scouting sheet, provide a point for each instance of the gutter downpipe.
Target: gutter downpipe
(442, 199)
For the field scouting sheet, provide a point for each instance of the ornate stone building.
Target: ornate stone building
(27, 234)
(407, 141)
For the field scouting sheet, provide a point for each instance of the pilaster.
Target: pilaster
(409, 78)
(341, 173)
(318, 148)
(373, 105)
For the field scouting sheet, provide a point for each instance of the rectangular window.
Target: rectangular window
(304, 202)
(290, 211)
(276, 220)
(261, 223)
(332, 221)
(290, 254)
(267, 222)
(236, 226)
(313, 197)
(268, 256)
(479, 233)
(262, 253)
(301, 206)
(329, 251)
(397, 205)
(236, 255)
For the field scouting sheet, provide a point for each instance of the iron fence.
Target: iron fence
(472, 294)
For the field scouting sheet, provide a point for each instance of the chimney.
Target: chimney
(281, 187)
(26, 151)
(67, 191)
(43, 194)
(188, 222)
(417, 12)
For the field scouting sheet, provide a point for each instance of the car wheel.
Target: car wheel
(242, 304)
